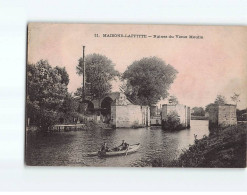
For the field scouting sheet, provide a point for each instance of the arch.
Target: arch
(106, 109)
(87, 107)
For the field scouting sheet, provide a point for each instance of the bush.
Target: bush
(172, 122)
(225, 149)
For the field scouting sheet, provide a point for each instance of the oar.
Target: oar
(127, 151)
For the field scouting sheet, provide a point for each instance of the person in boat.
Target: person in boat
(123, 146)
(104, 148)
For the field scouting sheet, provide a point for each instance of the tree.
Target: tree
(148, 80)
(78, 92)
(64, 75)
(46, 91)
(208, 107)
(69, 109)
(235, 98)
(99, 74)
(220, 100)
(173, 100)
(198, 111)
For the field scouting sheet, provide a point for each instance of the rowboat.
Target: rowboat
(132, 148)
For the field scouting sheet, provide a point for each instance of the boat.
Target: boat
(132, 148)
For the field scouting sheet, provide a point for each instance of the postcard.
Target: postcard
(129, 95)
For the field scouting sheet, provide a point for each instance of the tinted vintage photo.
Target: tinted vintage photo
(125, 95)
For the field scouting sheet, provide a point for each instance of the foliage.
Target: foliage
(79, 92)
(220, 100)
(69, 109)
(242, 115)
(235, 98)
(173, 100)
(172, 122)
(99, 74)
(208, 106)
(198, 111)
(226, 149)
(148, 80)
(64, 75)
(46, 91)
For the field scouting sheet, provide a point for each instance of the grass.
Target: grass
(224, 148)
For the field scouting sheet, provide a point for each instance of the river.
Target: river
(71, 148)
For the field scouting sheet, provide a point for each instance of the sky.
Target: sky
(215, 64)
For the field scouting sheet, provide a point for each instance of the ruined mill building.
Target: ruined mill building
(222, 115)
(117, 110)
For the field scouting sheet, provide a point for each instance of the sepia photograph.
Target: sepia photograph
(128, 95)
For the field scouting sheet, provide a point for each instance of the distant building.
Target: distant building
(222, 115)
(126, 114)
(182, 111)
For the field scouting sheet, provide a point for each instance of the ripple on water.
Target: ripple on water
(71, 148)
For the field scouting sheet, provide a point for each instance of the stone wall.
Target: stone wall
(188, 116)
(130, 116)
(182, 111)
(213, 115)
(227, 115)
(118, 98)
(222, 115)
(123, 113)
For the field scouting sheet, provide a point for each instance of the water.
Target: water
(71, 148)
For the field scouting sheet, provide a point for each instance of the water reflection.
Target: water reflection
(71, 148)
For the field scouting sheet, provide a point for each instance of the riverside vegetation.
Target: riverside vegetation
(49, 101)
(223, 148)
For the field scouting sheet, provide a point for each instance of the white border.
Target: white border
(14, 16)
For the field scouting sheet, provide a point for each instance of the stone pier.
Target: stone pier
(182, 111)
(222, 115)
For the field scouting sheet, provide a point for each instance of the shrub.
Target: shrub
(172, 122)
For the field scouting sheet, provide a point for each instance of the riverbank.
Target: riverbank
(199, 117)
(88, 125)
(224, 148)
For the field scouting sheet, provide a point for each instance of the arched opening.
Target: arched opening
(86, 107)
(106, 109)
